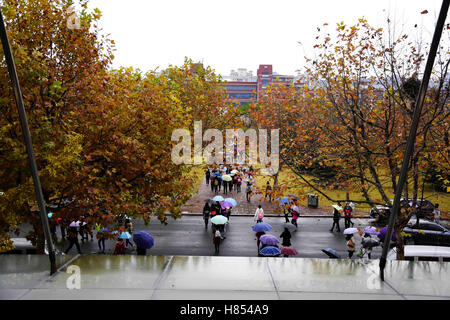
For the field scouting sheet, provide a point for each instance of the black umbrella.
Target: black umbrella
(331, 253)
(209, 201)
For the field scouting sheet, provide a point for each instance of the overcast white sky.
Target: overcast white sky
(235, 34)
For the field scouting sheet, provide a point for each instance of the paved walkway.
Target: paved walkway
(196, 203)
(93, 277)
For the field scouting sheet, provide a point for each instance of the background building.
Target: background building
(246, 88)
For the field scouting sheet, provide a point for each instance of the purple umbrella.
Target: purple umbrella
(143, 240)
(226, 204)
(382, 234)
(371, 230)
(268, 239)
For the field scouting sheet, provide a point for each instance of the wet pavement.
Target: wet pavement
(187, 236)
(224, 278)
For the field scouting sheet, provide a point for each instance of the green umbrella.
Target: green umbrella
(219, 220)
(226, 178)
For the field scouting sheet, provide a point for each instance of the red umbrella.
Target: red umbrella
(288, 251)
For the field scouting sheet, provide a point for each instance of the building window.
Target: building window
(241, 95)
(239, 88)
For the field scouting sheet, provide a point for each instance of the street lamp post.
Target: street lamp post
(27, 137)
(413, 130)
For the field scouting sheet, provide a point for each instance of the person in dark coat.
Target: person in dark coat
(207, 176)
(73, 240)
(225, 187)
(286, 236)
(206, 214)
(212, 183)
(336, 218)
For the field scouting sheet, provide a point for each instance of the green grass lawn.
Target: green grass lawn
(293, 183)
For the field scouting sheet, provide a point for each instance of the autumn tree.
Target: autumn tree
(102, 137)
(356, 113)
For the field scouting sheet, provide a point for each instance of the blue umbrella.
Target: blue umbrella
(331, 253)
(218, 198)
(283, 200)
(143, 240)
(125, 235)
(262, 227)
(270, 251)
(232, 201)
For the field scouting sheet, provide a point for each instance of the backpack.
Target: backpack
(217, 234)
(216, 183)
(348, 212)
(260, 214)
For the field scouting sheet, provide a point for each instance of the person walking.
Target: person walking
(248, 191)
(350, 245)
(348, 215)
(129, 229)
(212, 182)
(365, 246)
(238, 184)
(225, 187)
(119, 248)
(73, 240)
(336, 218)
(258, 235)
(259, 214)
(295, 214)
(230, 186)
(286, 212)
(206, 214)
(207, 176)
(286, 236)
(101, 238)
(216, 185)
(268, 192)
(217, 238)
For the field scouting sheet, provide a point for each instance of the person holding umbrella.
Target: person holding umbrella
(225, 186)
(350, 245)
(143, 242)
(336, 218)
(206, 214)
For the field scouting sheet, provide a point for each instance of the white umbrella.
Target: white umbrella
(351, 231)
(337, 207)
(74, 224)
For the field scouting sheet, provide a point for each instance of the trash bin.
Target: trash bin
(313, 200)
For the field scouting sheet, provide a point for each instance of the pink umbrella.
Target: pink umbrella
(288, 251)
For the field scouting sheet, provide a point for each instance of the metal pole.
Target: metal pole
(413, 131)
(27, 137)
